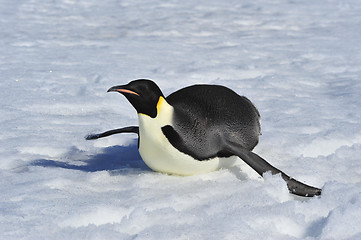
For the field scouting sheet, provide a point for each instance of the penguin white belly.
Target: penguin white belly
(160, 155)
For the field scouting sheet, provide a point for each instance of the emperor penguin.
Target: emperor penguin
(194, 129)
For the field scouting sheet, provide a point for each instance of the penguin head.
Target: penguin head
(143, 94)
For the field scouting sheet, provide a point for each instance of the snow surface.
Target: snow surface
(298, 61)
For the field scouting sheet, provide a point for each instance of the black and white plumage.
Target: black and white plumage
(195, 128)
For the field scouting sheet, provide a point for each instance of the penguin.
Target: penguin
(194, 129)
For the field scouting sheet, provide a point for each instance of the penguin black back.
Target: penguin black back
(206, 114)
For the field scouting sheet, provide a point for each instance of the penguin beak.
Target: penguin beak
(122, 89)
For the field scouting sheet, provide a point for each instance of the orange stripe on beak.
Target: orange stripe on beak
(127, 91)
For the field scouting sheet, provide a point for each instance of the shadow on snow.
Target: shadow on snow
(111, 158)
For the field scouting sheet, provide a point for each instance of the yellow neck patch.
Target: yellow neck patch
(164, 110)
(160, 103)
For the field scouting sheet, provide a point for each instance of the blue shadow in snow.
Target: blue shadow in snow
(111, 158)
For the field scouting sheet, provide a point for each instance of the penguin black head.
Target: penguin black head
(143, 94)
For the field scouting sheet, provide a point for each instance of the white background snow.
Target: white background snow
(298, 61)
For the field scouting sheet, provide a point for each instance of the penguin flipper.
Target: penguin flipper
(130, 129)
(261, 166)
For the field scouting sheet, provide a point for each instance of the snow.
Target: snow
(299, 62)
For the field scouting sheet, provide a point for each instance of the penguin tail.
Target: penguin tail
(130, 129)
(261, 166)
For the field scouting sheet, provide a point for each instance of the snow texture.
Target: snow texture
(298, 61)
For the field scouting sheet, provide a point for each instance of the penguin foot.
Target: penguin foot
(297, 188)
(261, 166)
